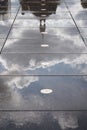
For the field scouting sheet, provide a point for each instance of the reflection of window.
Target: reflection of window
(4, 7)
(84, 3)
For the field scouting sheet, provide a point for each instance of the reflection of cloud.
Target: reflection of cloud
(10, 97)
(60, 37)
(75, 6)
(79, 13)
(16, 99)
(22, 82)
(24, 118)
(40, 119)
(18, 64)
(20, 119)
(68, 121)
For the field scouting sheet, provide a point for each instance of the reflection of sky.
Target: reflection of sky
(62, 120)
(24, 92)
(74, 5)
(25, 33)
(42, 120)
(78, 12)
(19, 92)
(49, 23)
(59, 40)
(27, 64)
(43, 64)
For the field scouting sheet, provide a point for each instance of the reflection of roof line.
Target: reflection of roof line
(84, 3)
(40, 7)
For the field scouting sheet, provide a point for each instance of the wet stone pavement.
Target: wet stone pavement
(43, 64)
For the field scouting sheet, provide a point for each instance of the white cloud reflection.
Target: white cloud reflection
(64, 120)
(14, 64)
(68, 121)
(22, 82)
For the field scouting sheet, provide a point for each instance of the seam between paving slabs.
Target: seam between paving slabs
(44, 75)
(39, 110)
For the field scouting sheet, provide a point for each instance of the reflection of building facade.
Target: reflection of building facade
(40, 8)
(4, 8)
(84, 3)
